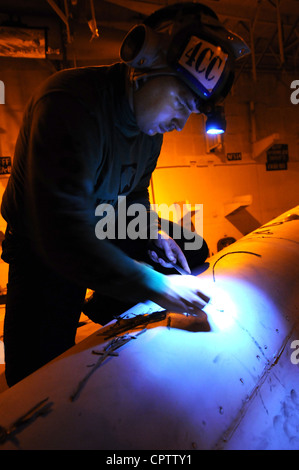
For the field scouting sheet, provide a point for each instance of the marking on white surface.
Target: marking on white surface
(255, 392)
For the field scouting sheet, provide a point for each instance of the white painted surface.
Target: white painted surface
(232, 387)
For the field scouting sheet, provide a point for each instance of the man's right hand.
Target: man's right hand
(183, 295)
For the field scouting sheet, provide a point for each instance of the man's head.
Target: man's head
(163, 104)
(185, 41)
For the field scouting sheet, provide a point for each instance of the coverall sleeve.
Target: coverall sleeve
(140, 194)
(64, 158)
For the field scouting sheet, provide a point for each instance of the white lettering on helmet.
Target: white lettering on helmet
(204, 61)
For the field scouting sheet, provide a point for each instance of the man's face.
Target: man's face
(163, 104)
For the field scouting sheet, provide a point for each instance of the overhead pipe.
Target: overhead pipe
(252, 26)
(63, 16)
(280, 33)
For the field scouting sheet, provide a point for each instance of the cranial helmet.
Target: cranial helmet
(186, 40)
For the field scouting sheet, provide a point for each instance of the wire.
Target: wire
(232, 253)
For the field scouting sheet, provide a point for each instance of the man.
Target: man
(90, 135)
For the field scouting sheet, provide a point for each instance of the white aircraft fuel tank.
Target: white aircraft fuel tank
(231, 383)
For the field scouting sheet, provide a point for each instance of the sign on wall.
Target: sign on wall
(5, 165)
(277, 157)
(234, 156)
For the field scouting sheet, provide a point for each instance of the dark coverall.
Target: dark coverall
(79, 146)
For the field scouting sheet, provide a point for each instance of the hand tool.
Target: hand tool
(161, 254)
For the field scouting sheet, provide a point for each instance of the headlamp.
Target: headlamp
(216, 123)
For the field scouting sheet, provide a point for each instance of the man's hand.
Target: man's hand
(183, 295)
(171, 249)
